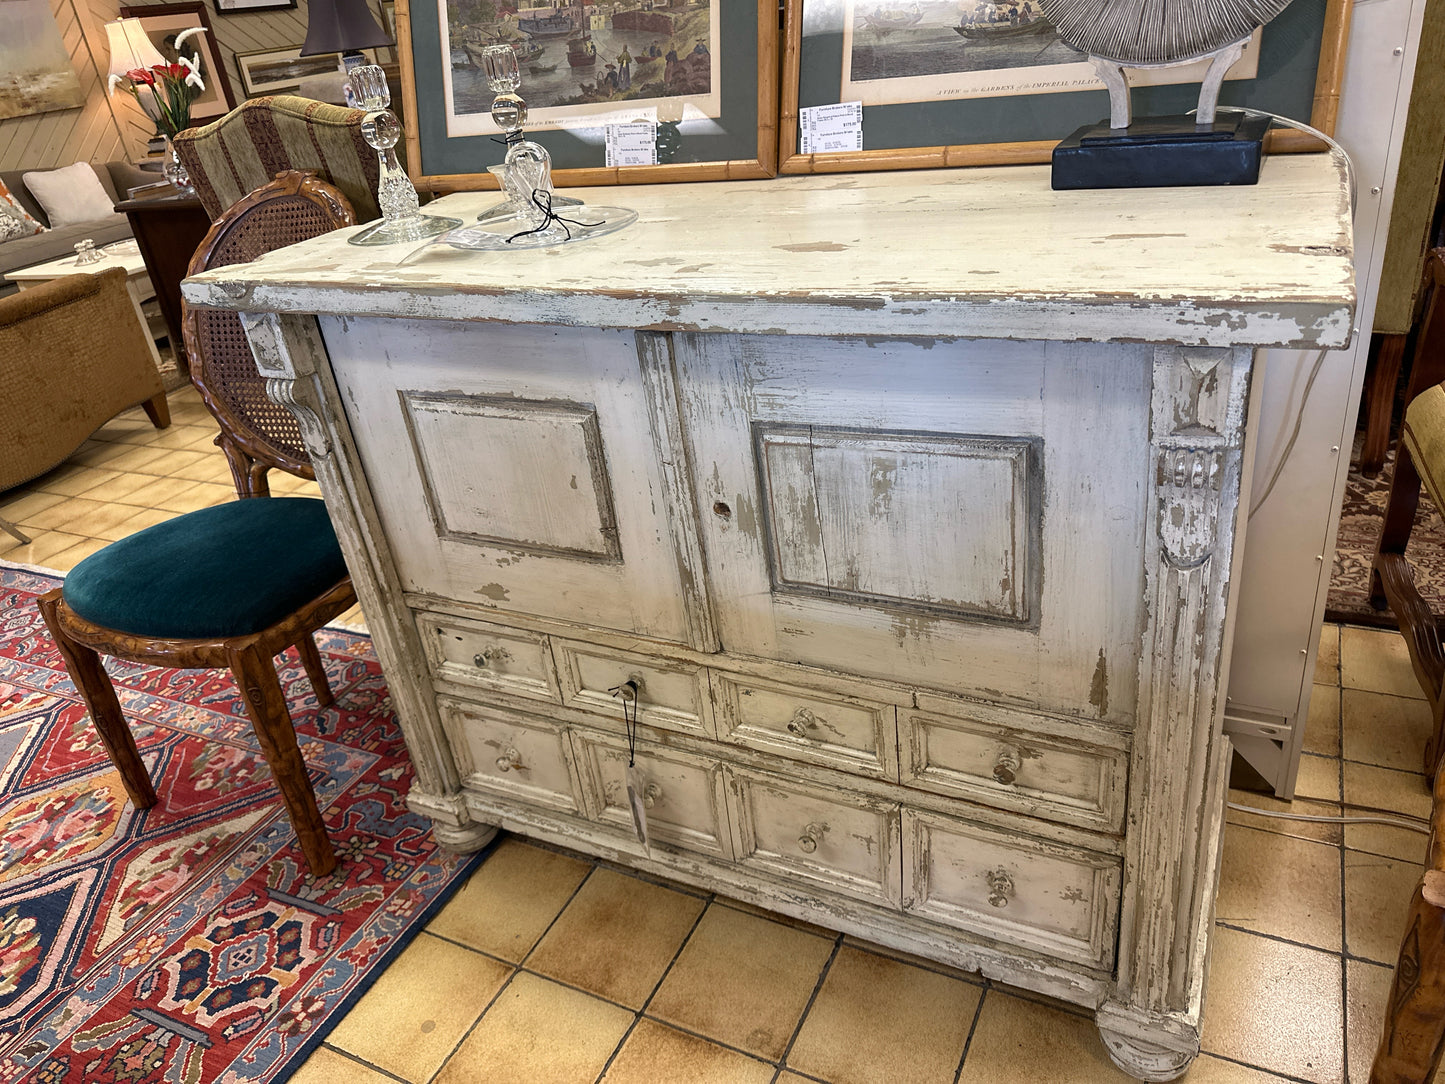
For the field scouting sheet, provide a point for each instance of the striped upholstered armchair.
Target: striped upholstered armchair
(262, 137)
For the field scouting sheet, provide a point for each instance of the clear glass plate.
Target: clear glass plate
(579, 223)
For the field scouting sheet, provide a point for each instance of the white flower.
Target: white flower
(115, 80)
(184, 34)
(193, 74)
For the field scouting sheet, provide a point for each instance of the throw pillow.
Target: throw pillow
(15, 220)
(71, 195)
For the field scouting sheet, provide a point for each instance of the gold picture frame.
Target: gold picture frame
(1019, 129)
(739, 143)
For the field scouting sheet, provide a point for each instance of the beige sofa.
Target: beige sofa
(115, 177)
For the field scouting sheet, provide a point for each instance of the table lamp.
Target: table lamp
(130, 48)
(345, 27)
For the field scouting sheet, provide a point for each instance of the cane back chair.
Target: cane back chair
(1414, 1027)
(235, 584)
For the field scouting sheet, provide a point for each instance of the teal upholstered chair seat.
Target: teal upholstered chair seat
(225, 571)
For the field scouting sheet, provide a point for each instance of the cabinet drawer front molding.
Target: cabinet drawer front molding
(670, 695)
(488, 656)
(683, 794)
(515, 755)
(1038, 775)
(1062, 902)
(841, 840)
(845, 732)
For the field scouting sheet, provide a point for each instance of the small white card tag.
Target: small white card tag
(635, 789)
(825, 128)
(631, 144)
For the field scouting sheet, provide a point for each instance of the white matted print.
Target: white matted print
(584, 65)
(939, 49)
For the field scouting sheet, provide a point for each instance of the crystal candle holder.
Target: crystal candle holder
(401, 216)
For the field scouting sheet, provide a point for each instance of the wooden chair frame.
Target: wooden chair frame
(1413, 1036)
(249, 658)
(1391, 581)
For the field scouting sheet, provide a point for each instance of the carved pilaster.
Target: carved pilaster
(1199, 397)
(290, 353)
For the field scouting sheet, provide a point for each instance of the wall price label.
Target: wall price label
(826, 128)
(631, 144)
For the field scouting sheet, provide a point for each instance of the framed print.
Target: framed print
(232, 7)
(275, 70)
(162, 22)
(388, 23)
(989, 82)
(704, 71)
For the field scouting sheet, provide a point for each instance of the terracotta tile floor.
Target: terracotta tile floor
(542, 969)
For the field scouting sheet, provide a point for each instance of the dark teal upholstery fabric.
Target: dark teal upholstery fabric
(230, 570)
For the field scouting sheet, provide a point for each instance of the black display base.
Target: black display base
(1162, 152)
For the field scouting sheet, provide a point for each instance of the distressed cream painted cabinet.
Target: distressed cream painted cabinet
(907, 503)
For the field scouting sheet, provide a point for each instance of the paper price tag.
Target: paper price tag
(631, 144)
(826, 128)
(636, 801)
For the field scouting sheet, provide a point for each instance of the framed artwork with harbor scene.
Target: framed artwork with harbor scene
(704, 68)
(989, 82)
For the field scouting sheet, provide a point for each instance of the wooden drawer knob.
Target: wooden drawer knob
(808, 841)
(510, 759)
(803, 720)
(491, 654)
(1000, 888)
(1006, 767)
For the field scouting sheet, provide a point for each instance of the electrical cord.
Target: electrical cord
(1343, 157)
(1320, 818)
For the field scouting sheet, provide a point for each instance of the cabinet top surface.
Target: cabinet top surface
(990, 253)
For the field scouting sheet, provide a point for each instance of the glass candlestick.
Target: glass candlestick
(527, 170)
(401, 216)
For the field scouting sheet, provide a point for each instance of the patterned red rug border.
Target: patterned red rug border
(400, 940)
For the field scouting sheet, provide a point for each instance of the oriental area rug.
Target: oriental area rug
(1361, 519)
(187, 943)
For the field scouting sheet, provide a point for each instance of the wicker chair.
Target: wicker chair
(1414, 1027)
(72, 356)
(265, 136)
(232, 585)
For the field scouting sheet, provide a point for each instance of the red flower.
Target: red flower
(171, 71)
(140, 75)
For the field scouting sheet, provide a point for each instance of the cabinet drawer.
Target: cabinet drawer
(670, 695)
(489, 656)
(838, 839)
(510, 754)
(683, 794)
(1057, 900)
(1011, 768)
(856, 735)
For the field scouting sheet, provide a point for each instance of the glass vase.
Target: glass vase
(173, 169)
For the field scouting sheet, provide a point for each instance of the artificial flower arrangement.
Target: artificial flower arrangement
(173, 87)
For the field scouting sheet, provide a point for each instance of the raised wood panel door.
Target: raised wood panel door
(965, 515)
(514, 469)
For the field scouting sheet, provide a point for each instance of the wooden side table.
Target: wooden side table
(168, 231)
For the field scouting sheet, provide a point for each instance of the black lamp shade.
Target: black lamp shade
(341, 26)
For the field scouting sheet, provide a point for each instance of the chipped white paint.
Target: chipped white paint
(926, 631)
(985, 253)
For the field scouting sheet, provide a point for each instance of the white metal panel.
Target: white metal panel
(1291, 537)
